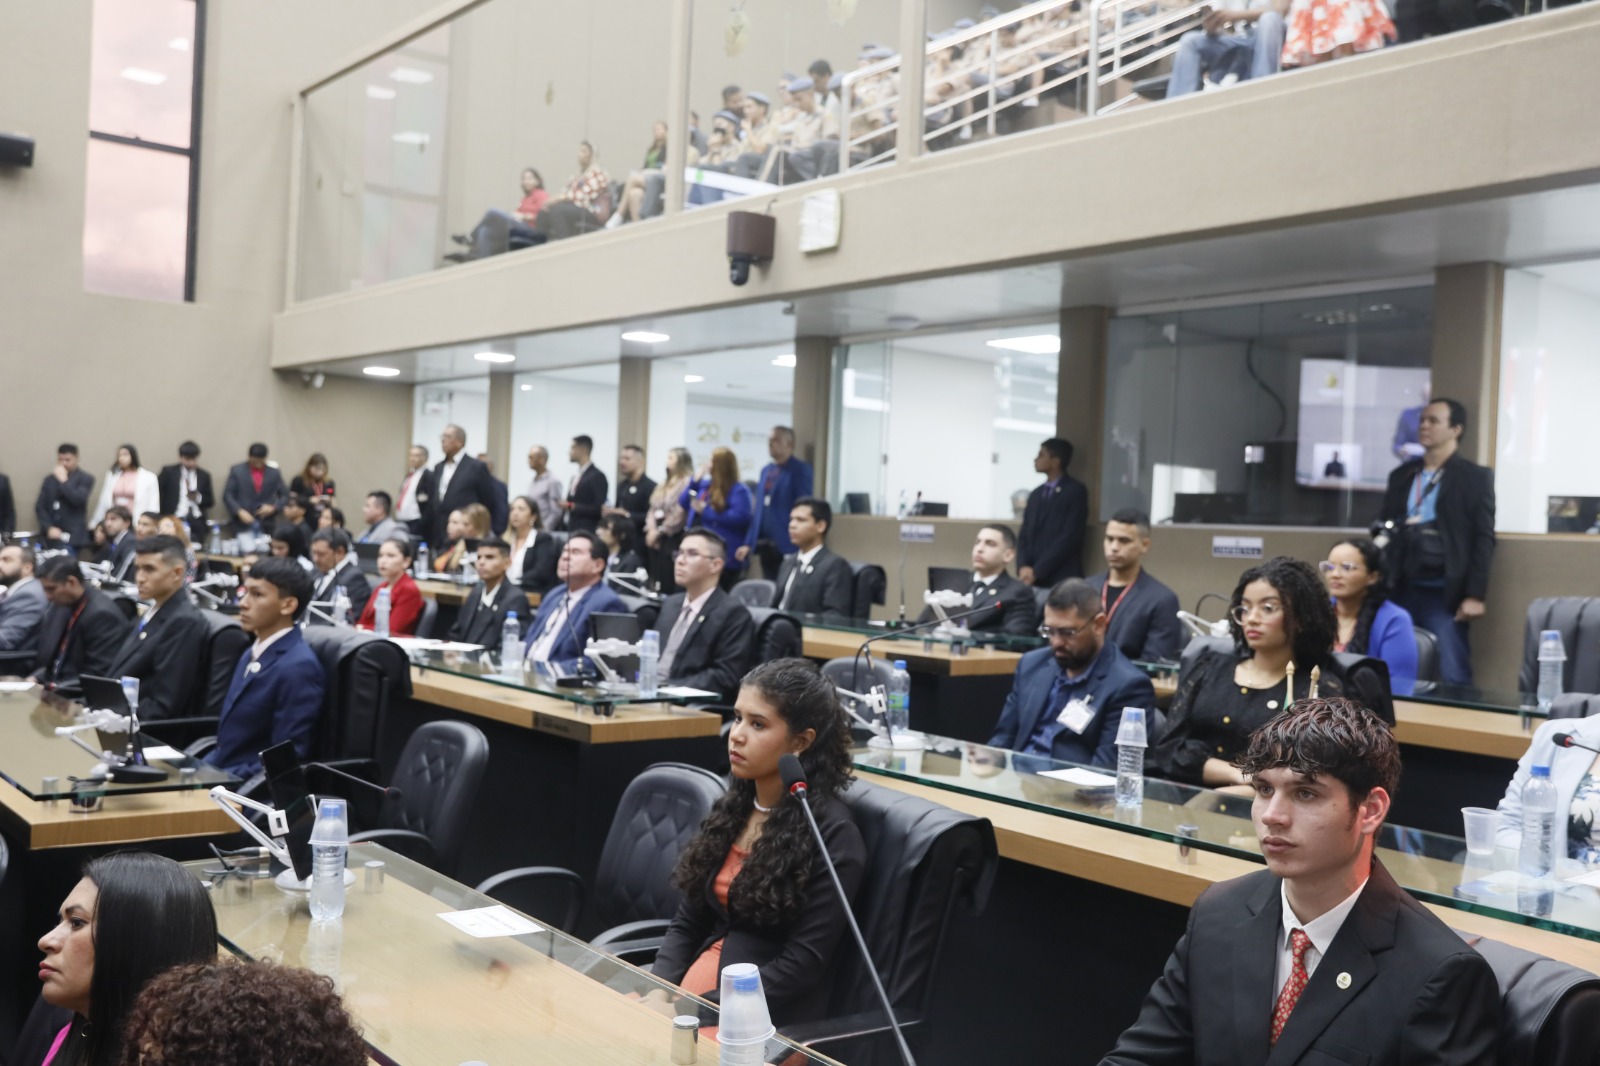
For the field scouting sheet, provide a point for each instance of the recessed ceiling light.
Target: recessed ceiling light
(644, 336)
(527, 388)
(784, 360)
(142, 76)
(179, 44)
(411, 137)
(381, 371)
(693, 379)
(495, 357)
(380, 92)
(411, 75)
(1043, 344)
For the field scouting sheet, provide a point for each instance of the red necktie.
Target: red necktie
(1296, 984)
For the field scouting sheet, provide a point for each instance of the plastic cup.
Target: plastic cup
(743, 1018)
(1482, 823)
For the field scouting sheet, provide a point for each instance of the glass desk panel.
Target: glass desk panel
(30, 751)
(1500, 701)
(484, 665)
(975, 638)
(427, 992)
(1433, 866)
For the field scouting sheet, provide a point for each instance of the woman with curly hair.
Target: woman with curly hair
(1279, 614)
(1370, 623)
(755, 889)
(219, 1011)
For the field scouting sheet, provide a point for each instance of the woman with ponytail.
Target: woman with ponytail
(1370, 623)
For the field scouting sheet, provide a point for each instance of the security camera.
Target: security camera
(750, 241)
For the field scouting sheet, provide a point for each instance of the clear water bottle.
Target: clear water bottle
(380, 614)
(899, 699)
(649, 662)
(1131, 742)
(341, 608)
(1536, 859)
(330, 839)
(1552, 656)
(420, 563)
(904, 505)
(511, 645)
(469, 568)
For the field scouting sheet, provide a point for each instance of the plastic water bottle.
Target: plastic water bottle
(744, 1023)
(1537, 854)
(1131, 742)
(904, 505)
(469, 568)
(341, 608)
(1552, 654)
(380, 614)
(511, 645)
(330, 839)
(899, 699)
(420, 563)
(649, 662)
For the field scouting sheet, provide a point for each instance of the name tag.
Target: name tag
(766, 501)
(1076, 715)
(253, 668)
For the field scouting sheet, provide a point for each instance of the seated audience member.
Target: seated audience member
(23, 606)
(1396, 986)
(616, 533)
(1066, 700)
(1141, 612)
(722, 147)
(144, 525)
(1370, 623)
(291, 541)
(707, 637)
(278, 685)
(469, 523)
(1335, 29)
(378, 512)
(1004, 604)
(117, 551)
(717, 500)
(1232, 44)
(1575, 777)
(482, 618)
(641, 193)
(814, 580)
(405, 599)
(758, 134)
(336, 569)
(560, 630)
(533, 551)
(330, 518)
(732, 98)
(1279, 614)
(82, 632)
(754, 889)
(171, 526)
(584, 206)
(222, 1011)
(297, 511)
(493, 234)
(807, 142)
(164, 648)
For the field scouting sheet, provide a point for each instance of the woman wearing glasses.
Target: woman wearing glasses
(1279, 614)
(1370, 623)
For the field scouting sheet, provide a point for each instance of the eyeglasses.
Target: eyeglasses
(1343, 568)
(691, 555)
(1267, 609)
(1062, 632)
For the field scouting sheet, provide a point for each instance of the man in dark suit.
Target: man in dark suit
(254, 493)
(336, 569)
(1050, 546)
(186, 490)
(708, 638)
(164, 648)
(482, 618)
(460, 480)
(586, 493)
(1066, 700)
(1141, 613)
(8, 506)
(502, 497)
(560, 630)
(1320, 957)
(82, 630)
(1004, 604)
(1441, 512)
(62, 509)
(23, 605)
(278, 685)
(783, 481)
(633, 490)
(814, 580)
(120, 543)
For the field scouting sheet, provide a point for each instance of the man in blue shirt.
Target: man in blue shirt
(783, 481)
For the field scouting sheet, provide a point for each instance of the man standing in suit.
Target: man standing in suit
(482, 618)
(709, 637)
(1141, 613)
(783, 481)
(633, 490)
(22, 608)
(82, 630)
(254, 492)
(1441, 510)
(164, 649)
(120, 542)
(380, 526)
(586, 492)
(1320, 956)
(1066, 700)
(560, 630)
(186, 490)
(335, 570)
(278, 685)
(1011, 607)
(413, 507)
(502, 497)
(814, 580)
(1051, 544)
(461, 480)
(62, 509)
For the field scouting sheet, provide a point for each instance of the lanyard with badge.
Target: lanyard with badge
(1078, 713)
(1120, 599)
(1421, 492)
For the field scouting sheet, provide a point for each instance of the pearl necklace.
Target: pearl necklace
(763, 810)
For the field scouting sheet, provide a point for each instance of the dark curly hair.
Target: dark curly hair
(1308, 618)
(227, 1012)
(1336, 738)
(1377, 592)
(769, 888)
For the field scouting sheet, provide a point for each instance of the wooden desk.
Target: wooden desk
(120, 820)
(977, 662)
(1433, 725)
(450, 594)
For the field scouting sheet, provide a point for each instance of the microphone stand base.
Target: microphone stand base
(900, 742)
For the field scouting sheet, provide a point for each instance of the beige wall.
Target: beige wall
(100, 370)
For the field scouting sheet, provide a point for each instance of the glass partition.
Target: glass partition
(720, 400)
(550, 407)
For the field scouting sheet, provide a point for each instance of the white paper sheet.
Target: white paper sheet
(491, 921)
(1076, 775)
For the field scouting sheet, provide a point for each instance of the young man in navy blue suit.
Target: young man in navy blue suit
(1067, 699)
(783, 481)
(560, 630)
(1050, 545)
(278, 685)
(1141, 612)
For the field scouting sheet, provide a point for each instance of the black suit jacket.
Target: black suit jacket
(348, 577)
(825, 586)
(1051, 540)
(480, 625)
(1144, 622)
(471, 483)
(634, 497)
(539, 564)
(65, 505)
(1464, 513)
(1415, 994)
(120, 556)
(717, 650)
(500, 512)
(91, 645)
(8, 507)
(166, 656)
(588, 497)
(170, 482)
(240, 494)
(1010, 605)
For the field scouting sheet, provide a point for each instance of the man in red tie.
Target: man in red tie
(1320, 957)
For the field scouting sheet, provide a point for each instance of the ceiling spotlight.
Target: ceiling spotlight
(527, 388)
(693, 379)
(381, 371)
(784, 360)
(1043, 344)
(411, 75)
(495, 357)
(380, 92)
(644, 336)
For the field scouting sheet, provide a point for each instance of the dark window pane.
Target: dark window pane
(141, 73)
(135, 222)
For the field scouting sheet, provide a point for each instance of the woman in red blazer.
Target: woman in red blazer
(405, 601)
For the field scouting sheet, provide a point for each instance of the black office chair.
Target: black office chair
(225, 642)
(366, 674)
(871, 586)
(1427, 659)
(1040, 594)
(438, 775)
(1367, 681)
(923, 862)
(17, 663)
(428, 619)
(1197, 647)
(1575, 705)
(1550, 1010)
(634, 899)
(857, 675)
(755, 592)
(646, 610)
(778, 635)
(1577, 619)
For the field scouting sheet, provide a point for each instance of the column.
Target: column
(1467, 299)
(1081, 394)
(502, 387)
(913, 54)
(813, 384)
(633, 406)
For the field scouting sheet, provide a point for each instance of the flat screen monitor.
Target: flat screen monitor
(949, 579)
(618, 625)
(1356, 423)
(367, 557)
(286, 781)
(857, 503)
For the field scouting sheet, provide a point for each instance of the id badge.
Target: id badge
(766, 501)
(1076, 715)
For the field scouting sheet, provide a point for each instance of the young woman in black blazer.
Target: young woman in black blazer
(533, 552)
(755, 889)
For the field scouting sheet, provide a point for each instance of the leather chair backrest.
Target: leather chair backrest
(659, 813)
(844, 674)
(871, 586)
(365, 675)
(778, 635)
(755, 592)
(1197, 647)
(1577, 619)
(429, 617)
(1367, 681)
(646, 610)
(1550, 1011)
(1040, 594)
(1575, 705)
(225, 642)
(1427, 656)
(438, 775)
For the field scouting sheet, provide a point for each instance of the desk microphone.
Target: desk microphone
(388, 793)
(794, 783)
(581, 679)
(1567, 740)
(932, 623)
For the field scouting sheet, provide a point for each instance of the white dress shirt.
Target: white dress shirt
(801, 561)
(406, 508)
(1321, 930)
(555, 625)
(518, 551)
(263, 643)
(445, 475)
(189, 482)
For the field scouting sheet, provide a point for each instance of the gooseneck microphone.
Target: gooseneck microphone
(386, 791)
(794, 783)
(932, 623)
(1567, 740)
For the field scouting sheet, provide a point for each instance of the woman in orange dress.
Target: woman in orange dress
(1320, 30)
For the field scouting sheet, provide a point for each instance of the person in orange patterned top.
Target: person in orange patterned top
(1320, 30)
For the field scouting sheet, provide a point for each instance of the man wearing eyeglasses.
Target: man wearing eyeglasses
(708, 638)
(1066, 700)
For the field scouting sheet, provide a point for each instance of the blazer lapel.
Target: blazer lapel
(712, 604)
(1255, 962)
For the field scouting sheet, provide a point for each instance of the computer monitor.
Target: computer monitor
(286, 781)
(949, 579)
(857, 503)
(618, 625)
(930, 509)
(367, 557)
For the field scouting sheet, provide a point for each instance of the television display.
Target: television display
(1357, 423)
